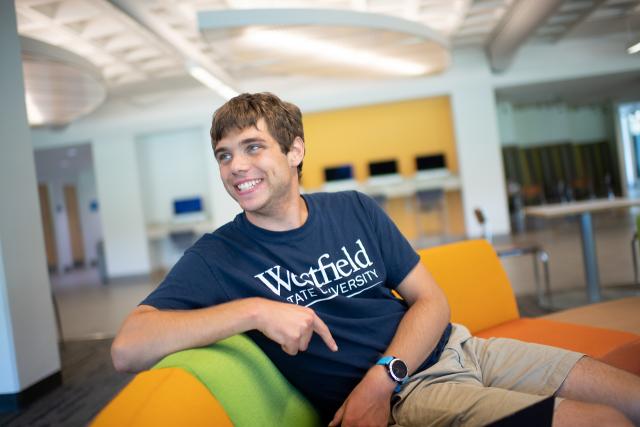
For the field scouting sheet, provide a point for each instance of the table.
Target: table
(395, 185)
(620, 315)
(583, 209)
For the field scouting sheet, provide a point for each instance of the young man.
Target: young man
(308, 278)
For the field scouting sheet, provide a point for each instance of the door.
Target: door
(47, 227)
(75, 232)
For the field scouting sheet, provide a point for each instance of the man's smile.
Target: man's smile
(247, 185)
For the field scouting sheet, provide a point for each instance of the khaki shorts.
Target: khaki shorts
(478, 381)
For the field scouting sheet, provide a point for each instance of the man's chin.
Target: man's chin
(249, 205)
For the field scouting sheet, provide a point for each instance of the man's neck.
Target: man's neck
(290, 216)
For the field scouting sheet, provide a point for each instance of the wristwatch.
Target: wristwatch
(396, 369)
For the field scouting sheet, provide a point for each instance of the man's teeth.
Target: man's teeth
(248, 185)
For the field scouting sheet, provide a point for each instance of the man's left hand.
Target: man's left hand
(369, 403)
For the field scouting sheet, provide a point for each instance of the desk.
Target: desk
(584, 210)
(160, 231)
(393, 186)
(409, 186)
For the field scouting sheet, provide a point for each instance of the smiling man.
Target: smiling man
(309, 279)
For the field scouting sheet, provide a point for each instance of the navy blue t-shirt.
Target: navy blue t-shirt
(342, 263)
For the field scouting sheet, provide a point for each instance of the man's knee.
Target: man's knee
(575, 413)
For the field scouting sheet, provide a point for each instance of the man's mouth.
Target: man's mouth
(248, 185)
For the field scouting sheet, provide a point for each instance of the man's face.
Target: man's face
(255, 171)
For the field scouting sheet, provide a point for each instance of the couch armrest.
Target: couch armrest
(163, 397)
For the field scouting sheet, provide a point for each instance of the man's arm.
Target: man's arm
(148, 334)
(416, 337)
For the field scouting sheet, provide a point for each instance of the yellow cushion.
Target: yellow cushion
(476, 285)
(163, 397)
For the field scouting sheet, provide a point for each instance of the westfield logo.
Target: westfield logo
(319, 275)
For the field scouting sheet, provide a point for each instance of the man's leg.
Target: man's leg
(572, 413)
(595, 392)
(595, 382)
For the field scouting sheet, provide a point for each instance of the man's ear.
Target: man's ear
(296, 152)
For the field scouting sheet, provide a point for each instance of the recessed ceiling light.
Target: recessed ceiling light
(207, 79)
(634, 49)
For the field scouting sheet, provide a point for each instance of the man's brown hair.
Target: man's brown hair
(283, 119)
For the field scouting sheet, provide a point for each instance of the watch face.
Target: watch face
(398, 369)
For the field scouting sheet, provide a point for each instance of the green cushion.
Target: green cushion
(246, 383)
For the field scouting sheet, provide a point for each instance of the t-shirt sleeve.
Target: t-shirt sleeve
(398, 255)
(189, 285)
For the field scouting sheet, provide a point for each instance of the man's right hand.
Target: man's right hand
(292, 326)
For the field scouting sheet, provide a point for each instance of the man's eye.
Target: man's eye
(253, 148)
(224, 157)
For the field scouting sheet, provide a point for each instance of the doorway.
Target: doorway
(70, 216)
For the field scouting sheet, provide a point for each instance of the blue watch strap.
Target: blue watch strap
(385, 360)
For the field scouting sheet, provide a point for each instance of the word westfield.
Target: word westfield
(317, 284)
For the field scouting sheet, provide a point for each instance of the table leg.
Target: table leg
(590, 258)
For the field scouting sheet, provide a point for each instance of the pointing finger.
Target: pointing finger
(337, 418)
(321, 329)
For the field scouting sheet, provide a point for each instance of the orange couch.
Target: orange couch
(481, 298)
(233, 383)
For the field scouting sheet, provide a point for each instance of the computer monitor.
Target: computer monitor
(186, 206)
(338, 173)
(188, 209)
(430, 162)
(383, 167)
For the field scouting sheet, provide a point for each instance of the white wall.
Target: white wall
(28, 344)
(9, 381)
(480, 161)
(121, 212)
(171, 166)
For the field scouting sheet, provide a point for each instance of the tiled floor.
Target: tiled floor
(91, 310)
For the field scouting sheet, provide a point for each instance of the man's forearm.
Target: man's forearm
(416, 337)
(420, 330)
(148, 334)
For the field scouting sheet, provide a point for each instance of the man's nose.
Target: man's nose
(239, 163)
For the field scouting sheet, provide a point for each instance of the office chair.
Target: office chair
(511, 250)
(431, 201)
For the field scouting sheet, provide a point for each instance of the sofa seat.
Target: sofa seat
(618, 348)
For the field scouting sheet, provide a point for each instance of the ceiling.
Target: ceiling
(135, 42)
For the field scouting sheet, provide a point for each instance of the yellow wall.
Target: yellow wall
(400, 130)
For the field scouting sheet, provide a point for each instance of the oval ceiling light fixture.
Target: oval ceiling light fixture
(323, 42)
(59, 85)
